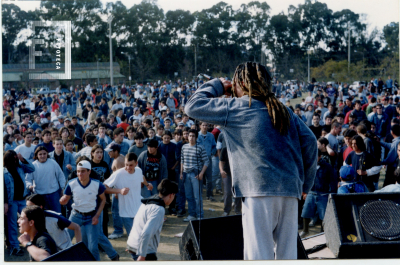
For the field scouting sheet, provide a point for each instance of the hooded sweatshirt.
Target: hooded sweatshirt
(145, 234)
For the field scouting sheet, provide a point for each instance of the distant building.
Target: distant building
(17, 75)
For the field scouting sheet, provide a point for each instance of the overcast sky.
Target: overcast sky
(379, 13)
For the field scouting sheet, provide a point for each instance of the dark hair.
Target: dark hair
(94, 148)
(144, 131)
(131, 157)
(178, 132)
(193, 131)
(323, 140)
(396, 129)
(9, 160)
(27, 133)
(366, 123)
(361, 128)
(118, 131)
(102, 125)
(72, 127)
(395, 121)
(167, 187)
(68, 141)
(139, 136)
(89, 138)
(349, 133)
(36, 199)
(123, 117)
(36, 214)
(359, 142)
(37, 150)
(358, 102)
(63, 129)
(167, 133)
(373, 99)
(148, 121)
(326, 128)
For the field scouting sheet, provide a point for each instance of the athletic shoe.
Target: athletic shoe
(219, 192)
(304, 234)
(189, 218)
(181, 213)
(114, 236)
(312, 224)
(116, 258)
(16, 252)
(172, 212)
(211, 198)
(225, 214)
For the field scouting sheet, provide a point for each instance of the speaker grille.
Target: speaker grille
(381, 219)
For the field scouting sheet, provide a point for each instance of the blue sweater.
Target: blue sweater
(266, 163)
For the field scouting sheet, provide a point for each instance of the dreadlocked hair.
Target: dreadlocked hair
(255, 81)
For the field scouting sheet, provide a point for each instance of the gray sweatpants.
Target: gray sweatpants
(270, 228)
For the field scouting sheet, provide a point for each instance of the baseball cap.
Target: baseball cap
(67, 119)
(60, 117)
(347, 172)
(153, 143)
(167, 118)
(113, 147)
(179, 116)
(181, 124)
(84, 164)
(164, 108)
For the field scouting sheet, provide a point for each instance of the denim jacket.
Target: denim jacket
(266, 163)
(9, 180)
(68, 159)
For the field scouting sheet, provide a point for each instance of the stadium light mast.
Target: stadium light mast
(109, 20)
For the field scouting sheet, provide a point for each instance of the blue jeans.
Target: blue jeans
(193, 189)
(103, 240)
(117, 221)
(69, 109)
(209, 177)
(314, 202)
(74, 106)
(180, 197)
(52, 201)
(89, 232)
(12, 218)
(128, 223)
(216, 176)
(147, 193)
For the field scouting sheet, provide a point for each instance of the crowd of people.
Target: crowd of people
(71, 156)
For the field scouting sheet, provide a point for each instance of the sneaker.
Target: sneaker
(312, 224)
(238, 213)
(172, 212)
(189, 218)
(304, 234)
(181, 213)
(225, 214)
(116, 258)
(219, 192)
(16, 252)
(114, 236)
(211, 198)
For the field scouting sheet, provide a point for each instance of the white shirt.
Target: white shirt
(128, 204)
(26, 152)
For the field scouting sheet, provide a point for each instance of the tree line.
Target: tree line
(215, 40)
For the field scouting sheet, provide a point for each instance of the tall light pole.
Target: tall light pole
(129, 58)
(348, 66)
(308, 52)
(98, 78)
(109, 20)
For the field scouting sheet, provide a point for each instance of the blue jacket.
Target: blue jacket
(325, 180)
(9, 180)
(63, 109)
(170, 153)
(266, 163)
(68, 160)
(10, 146)
(208, 143)
(382, 125)
(392, 155)
(389, 83)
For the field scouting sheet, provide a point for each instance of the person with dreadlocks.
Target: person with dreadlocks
(275, 156)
